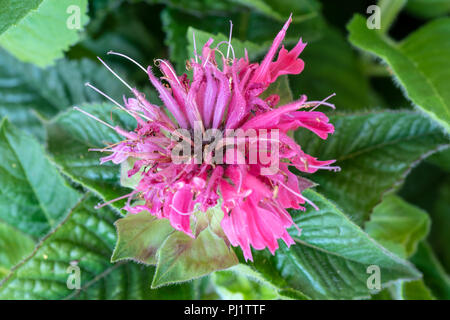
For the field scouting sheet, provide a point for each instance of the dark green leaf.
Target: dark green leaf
(332, 67)
(440, 215)
(441, 159)
(375, 152)
(281, 9)
(428, 8)
(29, 93)
(232, 285)
(433, 273)
(72, 133)
(251, 27)
(85, 239)
(330, 257)
(33, 197)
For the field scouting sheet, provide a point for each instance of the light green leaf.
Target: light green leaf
(72, 133)
(405, 290)
(125, 180)
(86, 239)
(33, 197)
(38, 31)
(30, 95)
(330, 258)
(140, 236)
(375, 152)
(183, 258)
(233, 286)
(420, 63)
(398, 225)
(411, 290)
(254, 274)
(14, 246)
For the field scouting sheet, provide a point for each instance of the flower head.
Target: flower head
(223, 99)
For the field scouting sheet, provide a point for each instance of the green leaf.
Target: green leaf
(332, 67)
(140, 236)
(281, 9)
(14, 11)
(281, 88)
(34, 197)
(398, 225)
(253, 274)
(419, 63)
(30, 95)
(14, 246)
(412, 290)
(125, 180)
(86, 239)
(183, 258)
(233, 286)
(201, 37)
(72, 133)
(440, 215)
(250, 27)
(198, 7)
(38, 31)
(405, 290)
(441, 159)
(428, 8)
(330, 258)
(375, 152)
(433, 273)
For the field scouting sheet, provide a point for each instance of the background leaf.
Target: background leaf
(30, 95)
(41, 34)
(34, 197)
(334, 71)
(428, 8)
(433, 273)
(330, 258)
(375, 151)
(14, 246)
(72, 133)
(398, 225)
(86, 237)
(419, 63)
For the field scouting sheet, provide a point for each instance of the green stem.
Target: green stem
(389, 11)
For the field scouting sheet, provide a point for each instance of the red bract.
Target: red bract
(224, 94)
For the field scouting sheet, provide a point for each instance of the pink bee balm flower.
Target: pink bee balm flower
(223, 94)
